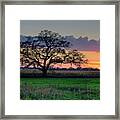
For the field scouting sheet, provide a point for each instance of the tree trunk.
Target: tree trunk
(44, 73)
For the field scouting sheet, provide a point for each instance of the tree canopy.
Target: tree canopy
(48, 49)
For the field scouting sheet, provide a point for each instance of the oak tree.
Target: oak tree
(48, 49)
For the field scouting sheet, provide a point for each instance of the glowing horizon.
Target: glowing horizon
(93, 60)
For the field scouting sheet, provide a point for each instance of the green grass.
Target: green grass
(60, 88)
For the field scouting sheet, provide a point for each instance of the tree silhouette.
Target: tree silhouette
(75, 57)
(48, 49)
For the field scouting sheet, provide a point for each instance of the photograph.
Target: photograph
(59, 59)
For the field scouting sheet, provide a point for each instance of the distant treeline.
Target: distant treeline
(60, 73)
(80, 69)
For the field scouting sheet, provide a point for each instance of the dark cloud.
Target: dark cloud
(81, 43)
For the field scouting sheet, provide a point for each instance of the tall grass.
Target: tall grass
(60, 89)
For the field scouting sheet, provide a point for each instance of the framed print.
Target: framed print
(60, 60)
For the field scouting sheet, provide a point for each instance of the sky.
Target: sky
(77, 28)
(93, 60)
(83, 34)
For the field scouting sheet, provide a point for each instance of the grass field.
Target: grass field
(60, 88)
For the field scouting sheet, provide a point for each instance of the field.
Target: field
(60, 88)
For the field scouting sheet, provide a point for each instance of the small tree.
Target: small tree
(48, 49)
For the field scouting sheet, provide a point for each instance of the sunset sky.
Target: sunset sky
(93, 59)
(84, 34)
